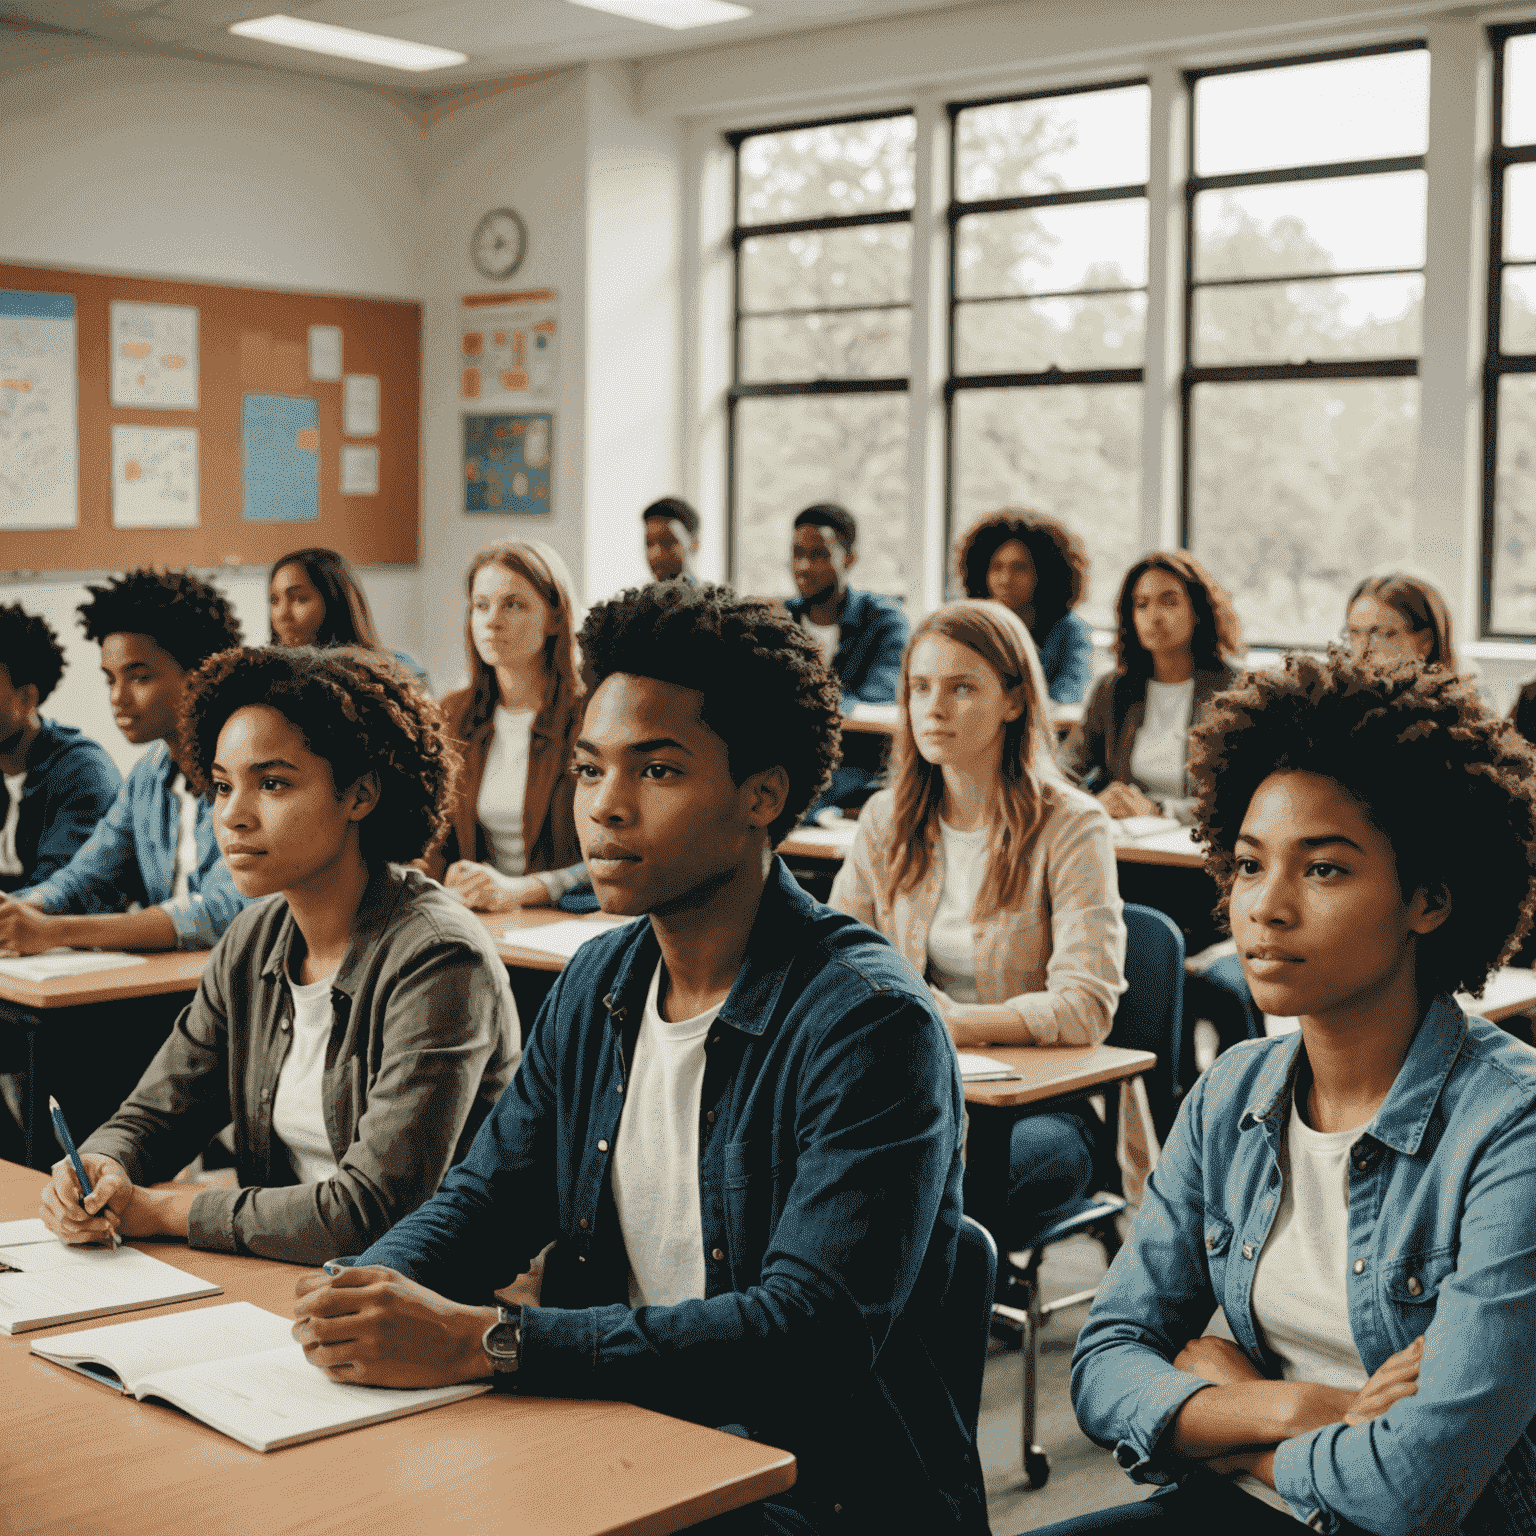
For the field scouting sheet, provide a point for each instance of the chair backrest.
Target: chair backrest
(1151, 1012)
(966, 1324)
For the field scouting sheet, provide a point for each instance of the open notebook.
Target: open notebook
(44, 1282)
(239, 1370)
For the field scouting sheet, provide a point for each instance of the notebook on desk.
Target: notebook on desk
(239, 1370)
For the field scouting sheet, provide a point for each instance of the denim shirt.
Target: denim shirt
(1066, 658)
(1442, 1233)
(70, 785)
(829, 1183)
(873, 636)
(131, 856)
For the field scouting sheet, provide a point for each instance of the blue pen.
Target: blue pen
(68, 1143)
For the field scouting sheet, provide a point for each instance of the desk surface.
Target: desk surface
(157, 975)
(1055, 1071)
(78, 1457)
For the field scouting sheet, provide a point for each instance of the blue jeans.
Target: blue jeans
(1197, 1504)
(1051, 1160)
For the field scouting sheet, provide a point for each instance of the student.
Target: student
(511, 839)
(1359, 1198)
(316, 599)
(995, 878)
(1400, 615)
(156, 846)
(740, 1116)
(671, 538)
(356, 1028)
(55, 782)
(1175, 628)
(1035, 565)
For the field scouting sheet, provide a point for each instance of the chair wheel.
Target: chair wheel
(1037, 1468)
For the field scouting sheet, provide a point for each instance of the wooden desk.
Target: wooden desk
(1174, 849)
(78, 1457)
(1055, 1072)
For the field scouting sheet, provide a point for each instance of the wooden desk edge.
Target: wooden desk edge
(1009, 1094)
(1130, 853)
(147, 980)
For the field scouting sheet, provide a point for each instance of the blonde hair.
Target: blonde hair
(1028, 761)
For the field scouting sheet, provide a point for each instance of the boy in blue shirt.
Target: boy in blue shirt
(156, 845)
(55, 782)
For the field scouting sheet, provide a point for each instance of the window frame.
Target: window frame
(1192, 374)
(957, 209)
(740, 390)
(1497, 364)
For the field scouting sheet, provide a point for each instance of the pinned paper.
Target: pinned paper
(360, 405)
(154, 477)
(324, 353)
(154, 356)
(359, 470)
(39, 440)
(281, 475)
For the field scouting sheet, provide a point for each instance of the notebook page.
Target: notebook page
(53, 963)
(174, 1339)
(28, 1230)
(560, 938)
(53, 1283)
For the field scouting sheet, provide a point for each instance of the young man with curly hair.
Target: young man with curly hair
(55, 782)
(155, 846)
(1358, 1198)
(739, 1116)
(358, 1028)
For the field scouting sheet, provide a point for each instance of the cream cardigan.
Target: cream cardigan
(1057, 958)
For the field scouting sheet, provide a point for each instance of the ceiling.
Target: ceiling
(503, 38)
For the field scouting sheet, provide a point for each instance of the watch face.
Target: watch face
(499, 244)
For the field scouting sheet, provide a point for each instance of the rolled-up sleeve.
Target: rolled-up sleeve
(1086, 971)
(102, 873)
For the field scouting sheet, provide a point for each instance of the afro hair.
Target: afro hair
(356, 708)
(1450, 786)
(768, 695)
(1059, 555)
(29, 650)
(188, 619)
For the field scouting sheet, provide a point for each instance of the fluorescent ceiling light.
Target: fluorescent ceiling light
(344, 43)
(676, 14)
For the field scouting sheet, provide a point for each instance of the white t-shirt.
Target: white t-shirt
(298, 1106)
(1161, 747)
(827, 636)
(952, 935)
(503, 788)
(10, 860)
(1300, 1295)
(656, 1158)
(186, 837)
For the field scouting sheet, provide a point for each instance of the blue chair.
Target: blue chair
(1150, 1018)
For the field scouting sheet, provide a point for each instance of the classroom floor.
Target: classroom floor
(1083, 1478)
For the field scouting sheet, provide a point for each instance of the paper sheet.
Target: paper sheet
(359, 470)
(360, 405)
(54, 1283)
(563, 938)
(15, 1234)
(974, 1068)
(509, 348)
(507, 462)
(154, 477)
(154, 356)
(65, 962)
(280, 444)
(39, 443)
(828, 837)
(324, 353)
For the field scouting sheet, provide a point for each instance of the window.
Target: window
(818, 406)
(1509, 390)
(1048, 302)
(1304, 286)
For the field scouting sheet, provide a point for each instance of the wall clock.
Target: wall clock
(499, 243)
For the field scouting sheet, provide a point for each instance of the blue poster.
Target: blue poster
(507, 462)
(282, 458)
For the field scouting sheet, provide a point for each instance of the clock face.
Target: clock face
(499, 244)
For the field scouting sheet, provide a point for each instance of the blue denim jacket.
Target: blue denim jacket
(829, 1183)
(868, 660)
(131, 856)
(1442, 1226)
(70, 785)
(1066, 658)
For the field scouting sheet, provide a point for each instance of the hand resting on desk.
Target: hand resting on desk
(1126, 800)
(483, 889)
(23, 929)
(115, 1201)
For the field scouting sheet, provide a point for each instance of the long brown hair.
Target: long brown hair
(545, 571)
(348, 619)
(1218, 633)
(998, 636)
(1420, 604)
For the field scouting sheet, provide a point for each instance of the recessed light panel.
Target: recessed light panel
(677, 14)
(344, 43)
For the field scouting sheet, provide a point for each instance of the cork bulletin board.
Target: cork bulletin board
(212, 425)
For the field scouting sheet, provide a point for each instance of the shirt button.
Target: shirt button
(602, 1146)
(717, 1254)
(581, 1258)
(837, 1509)
(582, 1223)
(266, 1093)
(1414, 1288)
(1210, 1243)
(1247, 1250)
(1359, 1266)
(620, 1088)
(710, 1116)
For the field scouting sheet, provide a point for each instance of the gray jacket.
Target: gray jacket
(425, 1038)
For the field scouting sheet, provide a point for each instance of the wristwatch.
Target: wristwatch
(503, 1340)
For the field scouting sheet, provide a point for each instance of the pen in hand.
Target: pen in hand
(68, 1143)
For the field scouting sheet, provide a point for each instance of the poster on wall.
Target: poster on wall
(508, 462)
(154, 356)
(509, 348)
(280, 443)
(154, 477)
(39, 439)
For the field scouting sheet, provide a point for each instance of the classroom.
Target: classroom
(924, 609)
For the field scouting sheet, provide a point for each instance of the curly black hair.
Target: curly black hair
(1060, 558)
(29, 650)
(188, 619)
(1448, 783)
(768, 695)
(356, 708)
